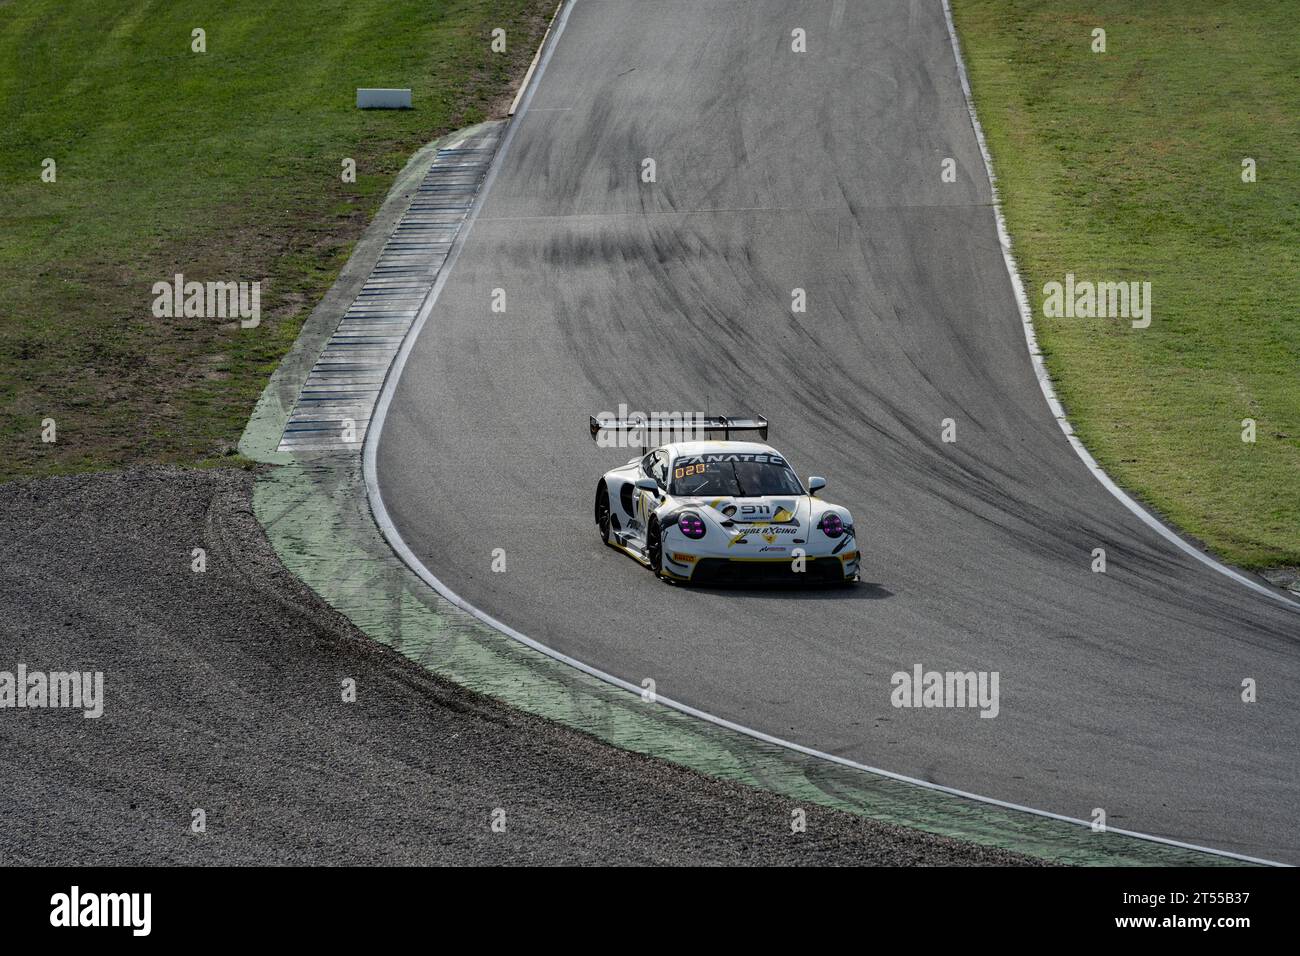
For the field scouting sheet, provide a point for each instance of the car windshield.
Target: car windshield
(738, 476)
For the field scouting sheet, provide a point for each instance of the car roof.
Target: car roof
(677, 449)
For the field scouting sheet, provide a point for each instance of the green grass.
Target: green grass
(1127, 165)
(219, 165)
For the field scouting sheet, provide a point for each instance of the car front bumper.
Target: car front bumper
(826, 569)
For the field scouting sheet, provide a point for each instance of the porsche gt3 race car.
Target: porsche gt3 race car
(722, 511)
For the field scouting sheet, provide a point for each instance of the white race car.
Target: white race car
(722, 511)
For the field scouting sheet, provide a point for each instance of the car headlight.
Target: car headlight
(831, 525)
(692, 525)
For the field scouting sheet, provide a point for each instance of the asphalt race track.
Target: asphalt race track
(821, 170)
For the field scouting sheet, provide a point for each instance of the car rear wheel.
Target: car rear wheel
(602, 512)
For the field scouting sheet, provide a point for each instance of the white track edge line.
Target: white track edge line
(1040, 367)
(400, 547)
(528, 77)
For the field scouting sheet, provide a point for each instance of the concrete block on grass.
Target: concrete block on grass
(383, 99)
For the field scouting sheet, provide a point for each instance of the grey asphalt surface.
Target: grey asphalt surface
(222, 691)
(821, 170)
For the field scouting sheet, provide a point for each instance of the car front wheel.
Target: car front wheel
(654, 547)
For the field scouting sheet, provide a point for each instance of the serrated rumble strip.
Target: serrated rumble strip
(334, 406)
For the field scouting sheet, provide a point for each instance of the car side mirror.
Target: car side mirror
(815, 484)
(648, 484)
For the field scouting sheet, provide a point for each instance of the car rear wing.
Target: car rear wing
(687, 425)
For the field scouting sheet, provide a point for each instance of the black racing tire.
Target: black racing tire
(602, 513)
(654, 549)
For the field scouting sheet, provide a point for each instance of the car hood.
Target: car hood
(765, 520)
